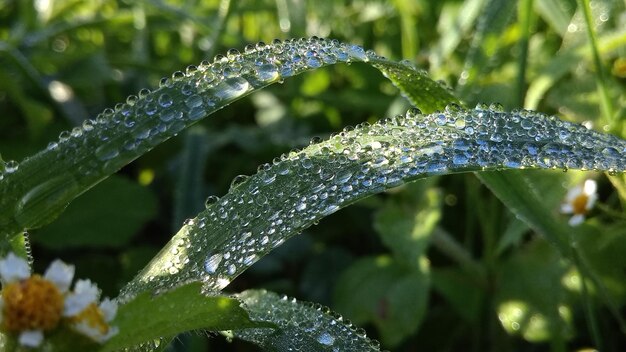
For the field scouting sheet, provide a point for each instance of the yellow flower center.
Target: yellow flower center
(31, 304)
(579, 204)
(93, 317)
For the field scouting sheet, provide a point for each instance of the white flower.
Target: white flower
(93, 321)
(85, 293)
(31, 305)
(13, 268)
(579, 201)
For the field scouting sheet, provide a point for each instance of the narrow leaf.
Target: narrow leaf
(36, 191)
(260, 212)
(301, 326)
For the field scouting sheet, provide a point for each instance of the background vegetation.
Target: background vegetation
(484, 280)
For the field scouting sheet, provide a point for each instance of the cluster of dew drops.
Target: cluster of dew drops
(306, 324)
(298, 189)
(130, 129)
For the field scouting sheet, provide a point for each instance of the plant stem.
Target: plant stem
(525, 13)
(590, 316)
(444, 242)
(605, 99)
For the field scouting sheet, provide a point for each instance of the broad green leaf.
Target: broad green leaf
(38, 189)
(300, 326)
(260, 212)
(529, 304)
(387, 293)
(90, 216)
(603, 248)
(405, 227)
(148, 317)
(464, 292)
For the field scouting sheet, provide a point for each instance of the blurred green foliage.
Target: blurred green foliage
(438, 265)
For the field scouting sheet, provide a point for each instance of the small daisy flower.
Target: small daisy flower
(93, 321)
(32, 305)
(579, 200)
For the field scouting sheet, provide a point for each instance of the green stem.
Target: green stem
(525, 19)
(590, 316)
(605, 99)
(445, 243)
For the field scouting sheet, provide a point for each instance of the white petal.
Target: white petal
(567, 208)
(94, 333)
(109, 309)
(591, 200)
(31, 338)
(576, 220)
(60, 274)
(573, 193)
(14, 268)
(88, 331)
(590, 187)
(85, 293)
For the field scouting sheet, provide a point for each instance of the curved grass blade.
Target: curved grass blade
(415, 85)
(260, 212)
(301, 326)
(36, 191)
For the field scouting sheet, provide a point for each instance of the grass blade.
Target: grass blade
(37, 191)
(301, 326)
(260, 212)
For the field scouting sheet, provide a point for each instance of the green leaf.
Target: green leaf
(300, 326)
(563, 62)
(36, 192)
(530, 304)
(603, 248)
(415, 85)
(189, 195)
(406, 228)
(260, 212)
(186, 308)
(518, 192)
(386, 293)
(486, 43)
(90, 216)
(462, 291)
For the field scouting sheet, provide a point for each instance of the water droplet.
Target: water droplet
(165, 100)
(106, 152)
(326, 339)
(45, 202)
(194, 101)
(169, 115)
(232, 88)
(210, 200)
(239, 179)
(11, 166)
(212, 263)
(267, 73)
